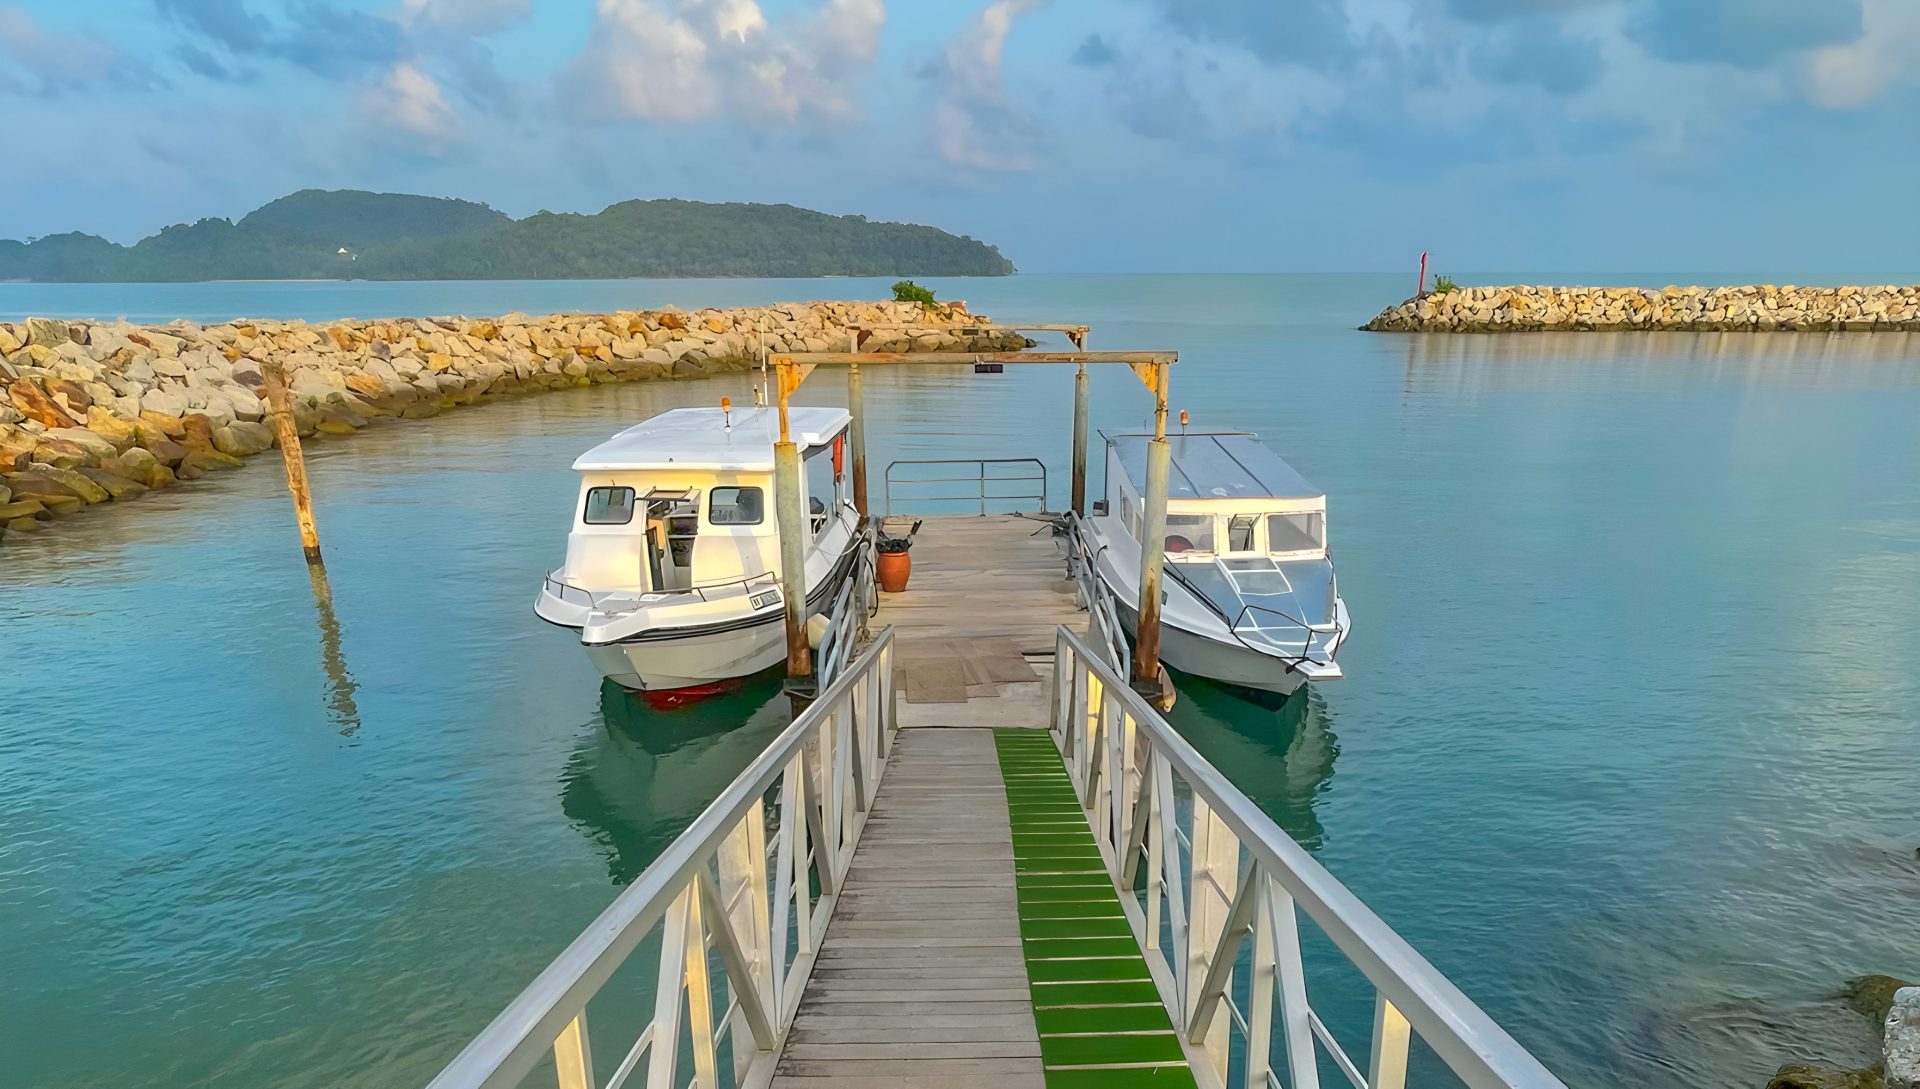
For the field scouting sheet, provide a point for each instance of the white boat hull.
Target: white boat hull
(1223, 663)
(662, 664)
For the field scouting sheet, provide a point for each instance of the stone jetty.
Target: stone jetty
(1760, 308)
(97, 412)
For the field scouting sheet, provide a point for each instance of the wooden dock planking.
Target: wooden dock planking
(924, 980)
(997, 576)
(921, 982)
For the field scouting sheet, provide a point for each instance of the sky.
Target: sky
(1779, 138)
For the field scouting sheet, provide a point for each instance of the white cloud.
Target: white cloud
(408, 99)
(689, 60)
(34, 61)
(478, 15)
(1857, 73)
(974, 125)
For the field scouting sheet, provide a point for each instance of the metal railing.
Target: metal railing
(1093, 595)
(984, 491)
(567, 591)
(1220, 875)
(716, 887)
(847, 620)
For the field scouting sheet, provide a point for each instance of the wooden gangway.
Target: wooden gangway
(1026, 880)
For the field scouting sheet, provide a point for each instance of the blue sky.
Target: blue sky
(1776, 138)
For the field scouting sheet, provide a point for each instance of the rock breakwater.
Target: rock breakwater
(1757, 308)
(98, 412)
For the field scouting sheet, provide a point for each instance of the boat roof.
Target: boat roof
(698, 438)
(1215, 465)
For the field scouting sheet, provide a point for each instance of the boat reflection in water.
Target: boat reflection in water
(643, 775)
(1279, 751)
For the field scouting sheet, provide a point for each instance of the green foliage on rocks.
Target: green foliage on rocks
(1444, 284)
(908, 291)
(385, 236)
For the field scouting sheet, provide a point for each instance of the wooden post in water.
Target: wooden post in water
(1153, 536)
(1080, 441)
(280, 402)
(857, 438)
(790, 515)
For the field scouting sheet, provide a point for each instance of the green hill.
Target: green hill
(349, 217)
(315, 234)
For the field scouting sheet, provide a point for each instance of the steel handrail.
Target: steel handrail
(981, 478)
(1099, 722)
(593, 596)
(1095, 596)
(837, 743)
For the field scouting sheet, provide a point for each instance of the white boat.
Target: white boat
(1249, 593)
(672, 578)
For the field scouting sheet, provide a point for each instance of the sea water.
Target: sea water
(1627, 747)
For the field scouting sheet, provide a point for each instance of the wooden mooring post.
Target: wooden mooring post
(280, 405)
(1153, 534)
(790, 515)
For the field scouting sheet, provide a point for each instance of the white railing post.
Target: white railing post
(1173, 878)
(706, 1072)
(572, 1056)
(668, 993)
(1260, 985)
(1296, 1017)
(1387, 1069)
(1216, 861)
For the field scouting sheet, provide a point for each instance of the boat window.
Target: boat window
(609, 507)
(1240, 532)
(737, 507)
(820, 485)
(1189, 533)
(1256, 577)
(1304, 532)
(1130, 516)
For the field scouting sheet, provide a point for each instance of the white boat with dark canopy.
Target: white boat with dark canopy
(672, 577)
(1250, 597)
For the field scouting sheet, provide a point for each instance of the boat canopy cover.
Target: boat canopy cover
(697, 438)
(1215, 465)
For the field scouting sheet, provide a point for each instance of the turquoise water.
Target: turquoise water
(1629, 747)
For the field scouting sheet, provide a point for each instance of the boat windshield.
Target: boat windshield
(1262, 599)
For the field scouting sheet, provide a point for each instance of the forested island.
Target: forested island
(348, 234)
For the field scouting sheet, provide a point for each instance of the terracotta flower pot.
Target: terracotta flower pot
(892, 569)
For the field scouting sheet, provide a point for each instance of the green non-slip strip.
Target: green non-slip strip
(1099, 1014)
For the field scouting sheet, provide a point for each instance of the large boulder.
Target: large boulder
(118, 431)
(63, 454)
(69, 480)
(48, 333)
(201, 462)
(198, 433)
(243, 439)
(33, 402)
(16, 447)
(95, 444)
(142, 465)
(23, 508)
(1811, 1076)
(116, 485)
(1872, 995)
(164, 402)
(1902, 1041)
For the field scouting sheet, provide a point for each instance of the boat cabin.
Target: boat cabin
(684, 501)
(1227, 496)
(1246, 535)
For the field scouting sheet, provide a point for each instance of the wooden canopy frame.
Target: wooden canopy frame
(789, 369)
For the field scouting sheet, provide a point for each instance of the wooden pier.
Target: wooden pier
(977, 941)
